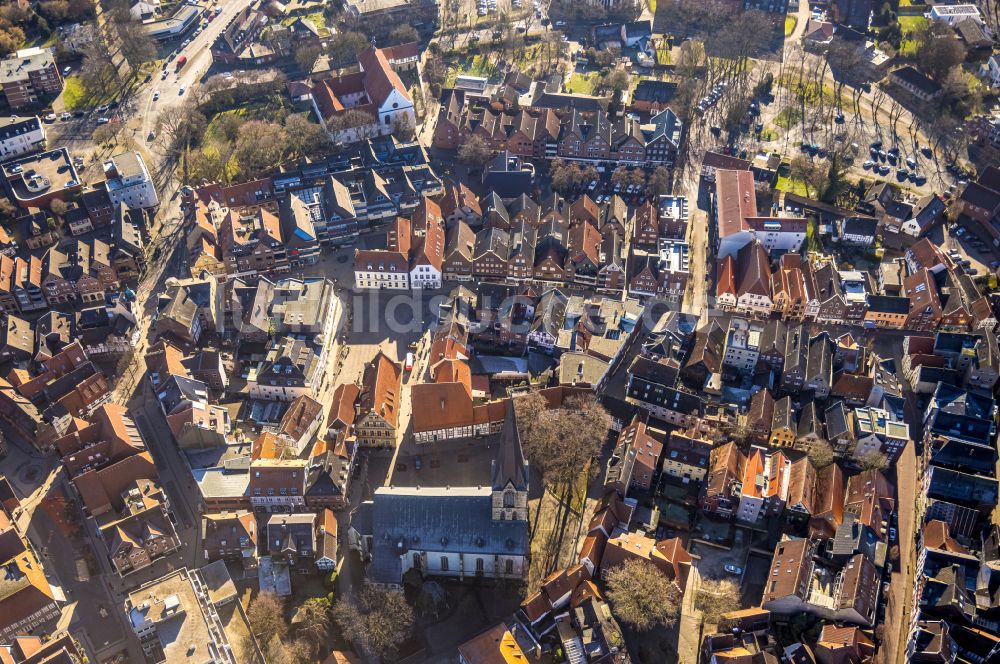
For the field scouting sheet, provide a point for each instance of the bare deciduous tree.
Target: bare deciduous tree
(820, 454)
(376, 620)
(641, 595)
(475, 151)
(313, 622)
(715, 598)
(873, 460)
(266, 617)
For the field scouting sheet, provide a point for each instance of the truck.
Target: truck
(181, 61)
(409, 361)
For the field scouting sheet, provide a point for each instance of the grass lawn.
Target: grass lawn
(788, 117)
(790, 22)
(269, 111)
(316, 18)
(74, 94)
(581, 83)
(769, 134)
(909, 25)
(813, 243)
(481, 64)
(810, 91)
(797, 187)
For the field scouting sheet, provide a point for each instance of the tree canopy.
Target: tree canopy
(641, 595)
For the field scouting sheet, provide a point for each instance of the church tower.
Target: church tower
(510, 474)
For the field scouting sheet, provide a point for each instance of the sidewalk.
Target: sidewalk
(689, 625)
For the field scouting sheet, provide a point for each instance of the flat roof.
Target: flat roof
(17, 66)
(41, 174)
(171, 604)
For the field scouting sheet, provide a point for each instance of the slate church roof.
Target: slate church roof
(450, 519)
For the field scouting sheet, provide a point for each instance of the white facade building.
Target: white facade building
(20, 135)
(128, 181)
(425, 276)
(952, 14)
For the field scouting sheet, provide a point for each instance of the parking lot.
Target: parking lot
(972, 253)
(892, 165)
(716, 562)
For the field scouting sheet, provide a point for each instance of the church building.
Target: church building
(476, 529)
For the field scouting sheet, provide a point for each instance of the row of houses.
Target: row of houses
(42, 399)
(922, 290)
(272, 224)
(557, 131)
(607, 247)
(116, 481)
(956, 611)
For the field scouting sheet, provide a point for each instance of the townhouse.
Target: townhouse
(798, 582)
(736, 221)
(414, 256)
(560, 130)
(380, 400)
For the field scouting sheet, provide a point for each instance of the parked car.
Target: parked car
(892, 534)
(734, 569)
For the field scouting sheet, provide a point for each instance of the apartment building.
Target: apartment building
(20, 135)
(128, 181)
(30, 76)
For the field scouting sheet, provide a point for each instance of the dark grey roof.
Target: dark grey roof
(178, 389)
(962, 402)
(772, 338)
(509, 466)
(639, 29)
(784, 414)
(820, 360)
(654, 91)
(889, 304)
(550, 313)
(865, 226)
(911, 76)
(456, 520)
(836, 420)
(809, 422)
(852, 537)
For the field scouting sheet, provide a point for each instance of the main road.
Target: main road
(199, 60)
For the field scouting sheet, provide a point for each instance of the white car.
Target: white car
(51, 117)
(180, 91)
(65, 116)
(156, 95)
